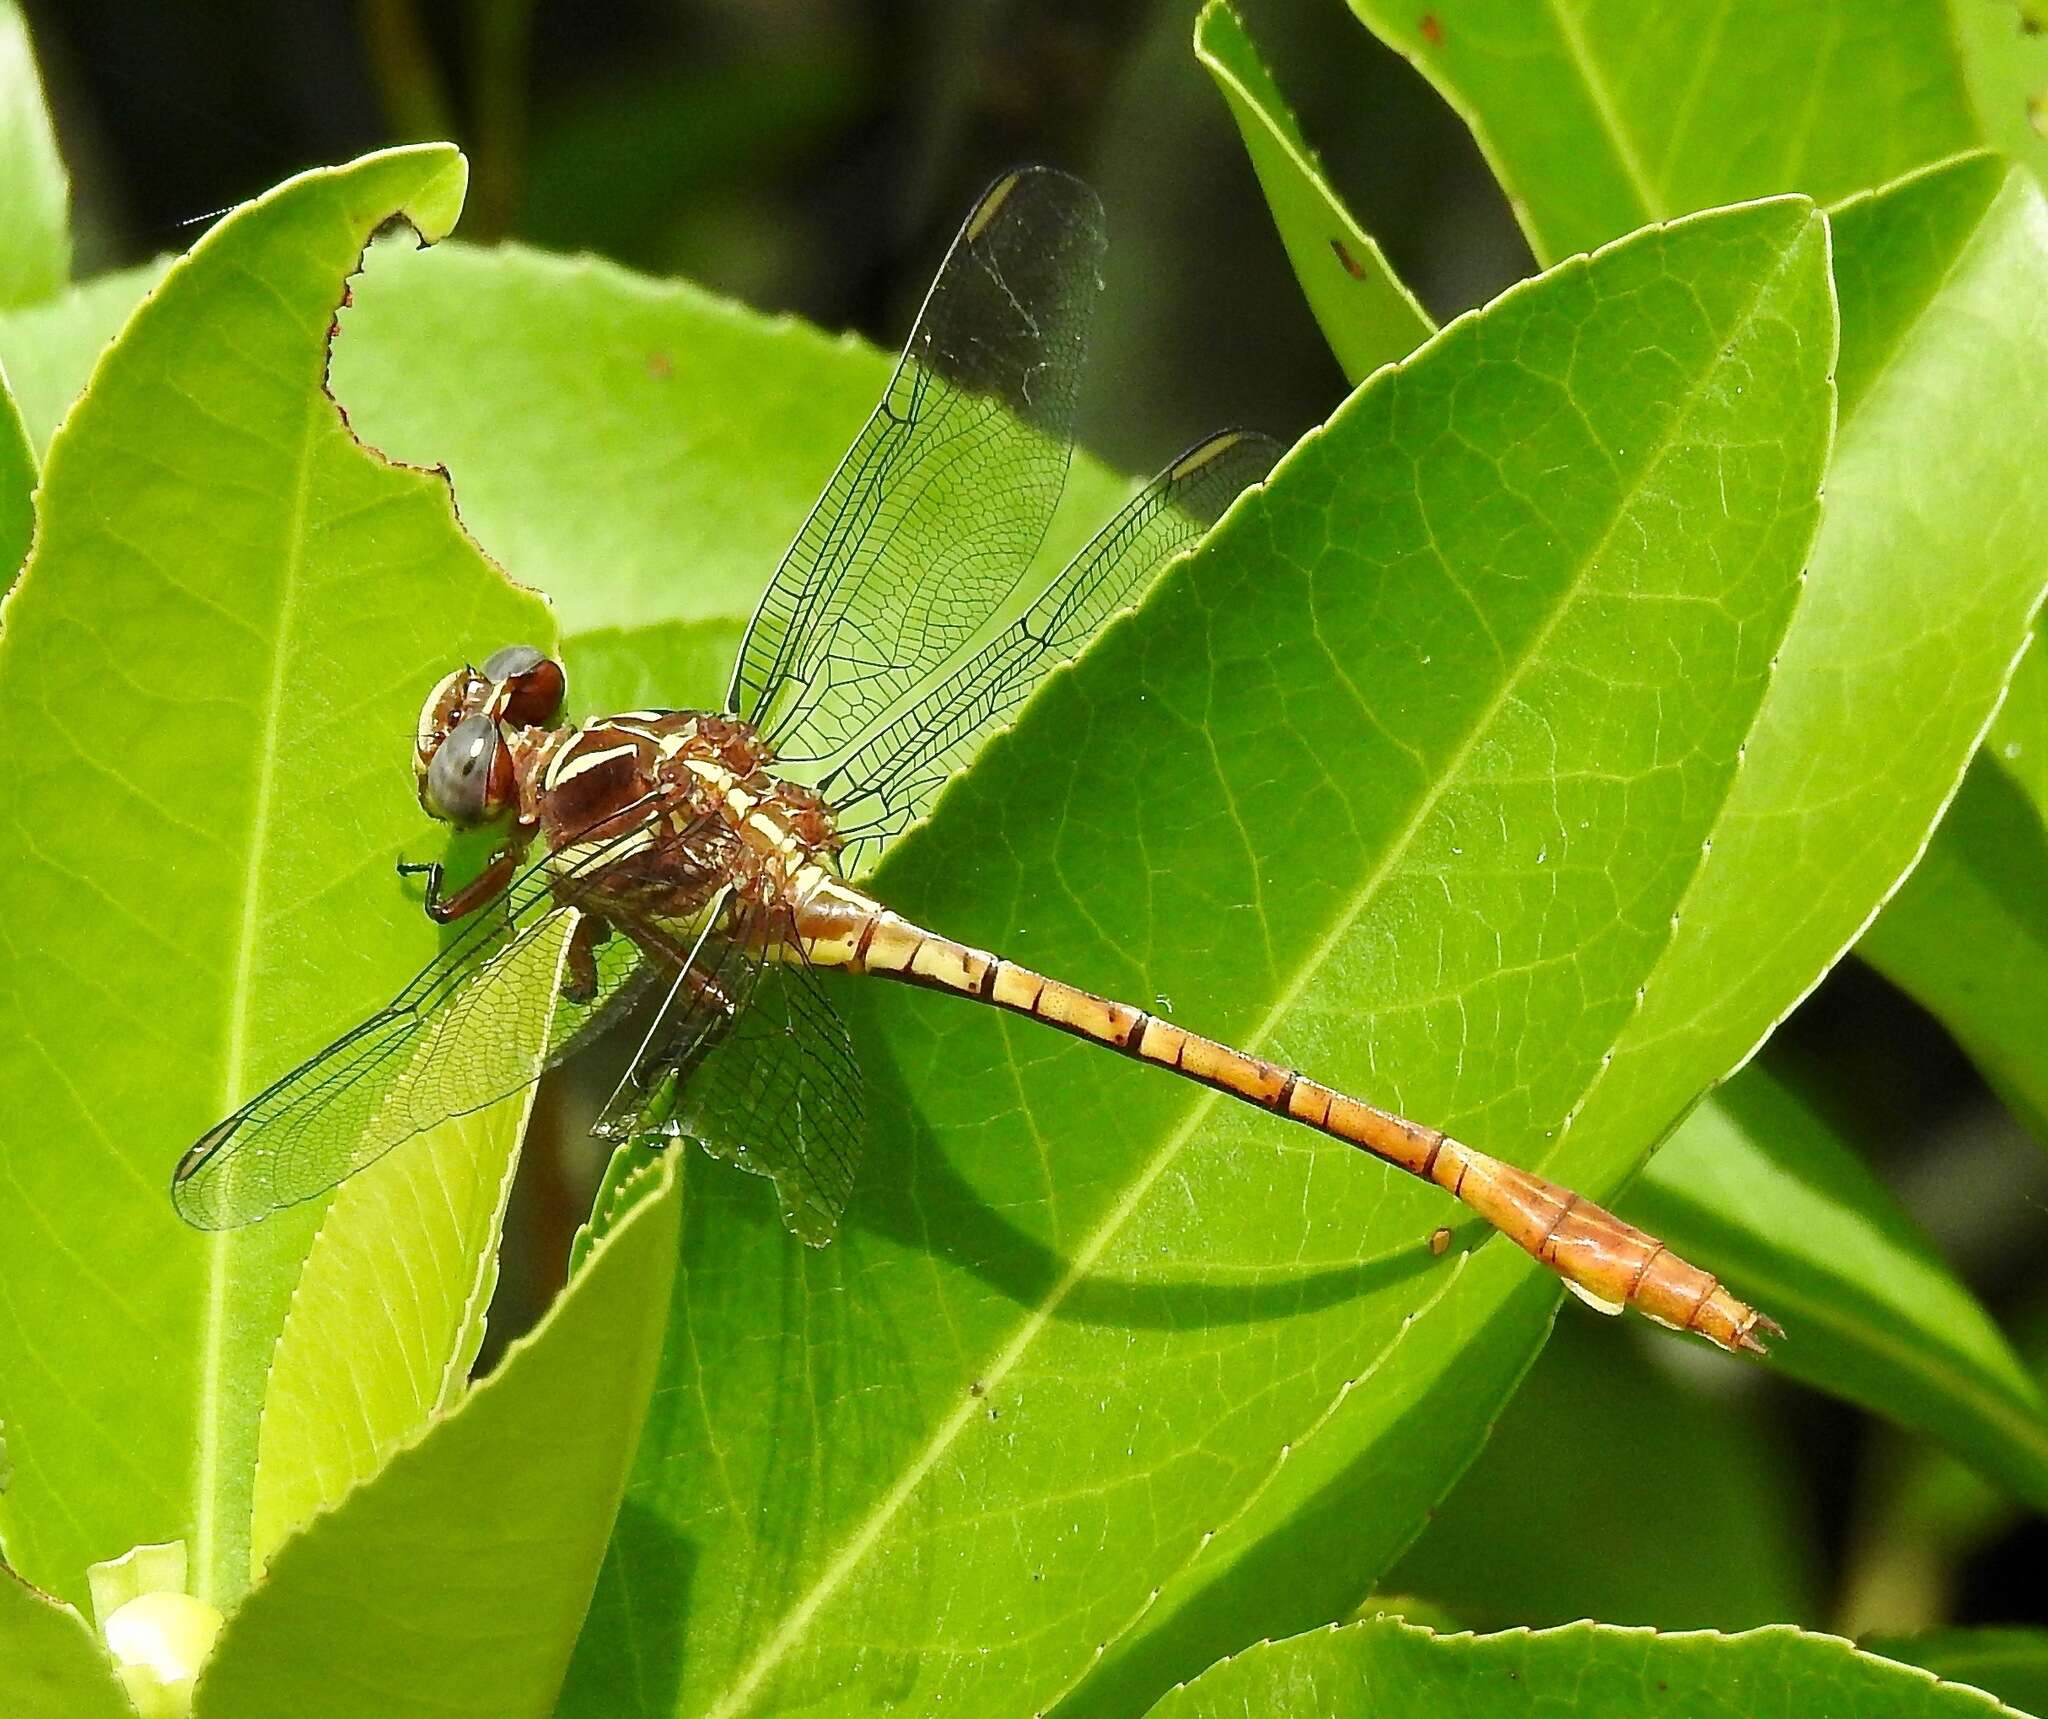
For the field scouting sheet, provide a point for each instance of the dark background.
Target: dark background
(807, 155)
(814, 156)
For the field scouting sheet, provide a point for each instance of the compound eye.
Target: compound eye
(469, 780)
(534, 685)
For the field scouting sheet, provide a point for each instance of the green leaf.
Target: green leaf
(34, 260)
(453, 1582)
(1600, 115)
(51, 1663)
(628, 1179)
(1390, 1670)
(1097, 1354)
(211, 670)
(1582, 1459)
(17, 487)
(1926, 570)
(35, 195)
(1963, 935)
(2019, 738)
(644, 452)
(1366, 314)
(1943, 282)
(386, 1319)
(677, 439)
(158, 1635)
(2010, 1663)
(1923, 577)
(1967, 935)
(1758, 1185)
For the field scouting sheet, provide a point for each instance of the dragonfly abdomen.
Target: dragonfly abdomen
(1605, 1261)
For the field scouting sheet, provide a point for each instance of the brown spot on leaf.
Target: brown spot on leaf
(1352, 266)
(1432, 30)
(659, 366)
(1440, 1242)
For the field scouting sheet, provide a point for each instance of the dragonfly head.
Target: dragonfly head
(462, 765)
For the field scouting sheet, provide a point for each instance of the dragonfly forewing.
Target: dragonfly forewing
(941, 503)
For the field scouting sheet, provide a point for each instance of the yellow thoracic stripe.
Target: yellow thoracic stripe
(570, 858)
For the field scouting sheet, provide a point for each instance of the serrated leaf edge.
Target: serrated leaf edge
(1588, 1627)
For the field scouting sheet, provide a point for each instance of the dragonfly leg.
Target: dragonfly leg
(579, 976)
(481, 890)
(692, 1017)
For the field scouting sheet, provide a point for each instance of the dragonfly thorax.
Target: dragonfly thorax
(681, 803)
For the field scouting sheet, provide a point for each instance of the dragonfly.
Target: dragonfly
(709, 856)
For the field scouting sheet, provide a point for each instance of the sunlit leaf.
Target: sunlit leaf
(1904, 634)
(1600, 115)
(679, 440)
(35, 194)
(209, 673)
(386, 1318)
(455, 1580)
(1392, 1670)
(1922, 580)
(2018, 740)
(50, 1660)
(644, 451)
(17, 486)
(640, 450)
(50, 347)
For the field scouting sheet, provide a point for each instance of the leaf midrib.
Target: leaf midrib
(1293, 146)
(1597, 92)
(777, 1646)
(220, 1243)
